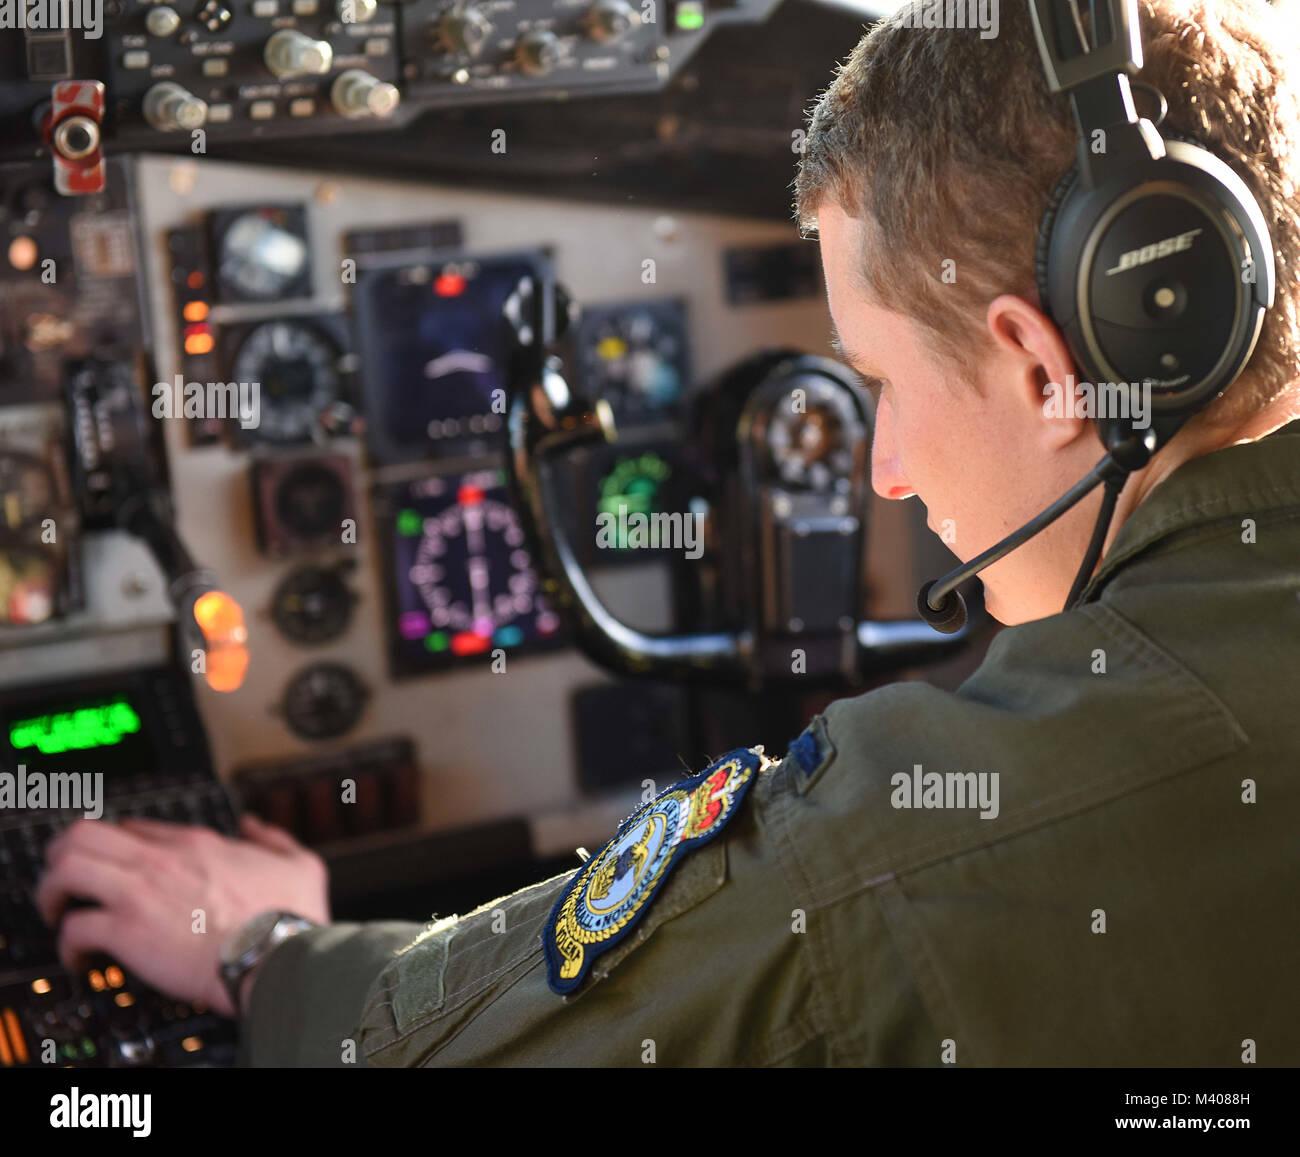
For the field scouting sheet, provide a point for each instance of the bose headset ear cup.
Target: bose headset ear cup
(1145, 274)
(1060, 192)
(1043, 249)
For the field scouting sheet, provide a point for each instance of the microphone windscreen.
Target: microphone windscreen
(951, 614)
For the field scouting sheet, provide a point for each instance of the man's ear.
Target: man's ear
(1043, 372)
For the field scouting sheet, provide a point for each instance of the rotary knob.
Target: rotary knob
(357, 11)
(358, 94)
(611, 20)
(168, 107)
(290, 53)
(465, 30)
(538, 53)
(162, 21)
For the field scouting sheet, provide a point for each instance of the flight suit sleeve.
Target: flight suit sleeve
(303, 1008)
(715, 972)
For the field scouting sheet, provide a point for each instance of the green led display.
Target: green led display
(84, 728)
(690, 17)
(410, 523)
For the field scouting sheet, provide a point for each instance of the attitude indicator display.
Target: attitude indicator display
(464, 586)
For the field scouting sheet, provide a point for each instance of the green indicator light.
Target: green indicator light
(690, 17)
(410, 523)
(80, 730)
(437, 641)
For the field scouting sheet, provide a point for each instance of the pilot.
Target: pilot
(1086, 855)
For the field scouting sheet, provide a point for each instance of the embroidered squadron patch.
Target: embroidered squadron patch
(614, 888)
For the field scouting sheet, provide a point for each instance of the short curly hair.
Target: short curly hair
(947, 145)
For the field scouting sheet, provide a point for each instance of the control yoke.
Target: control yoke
(547, 420)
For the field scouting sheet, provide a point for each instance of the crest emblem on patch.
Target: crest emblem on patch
(607, 896)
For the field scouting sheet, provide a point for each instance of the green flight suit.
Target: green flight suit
(1132, 902)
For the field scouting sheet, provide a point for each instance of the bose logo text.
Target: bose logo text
(1153, 252)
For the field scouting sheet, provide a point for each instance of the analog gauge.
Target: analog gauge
(26, 491)
(323, 700)
(296, 367)
(262, 256)
(302, 503)
(312, 605)
(806, 443)
(311, 500)
(635, 359)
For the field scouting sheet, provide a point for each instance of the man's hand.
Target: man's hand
(151, 880)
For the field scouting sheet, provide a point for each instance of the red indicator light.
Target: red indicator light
(195, 281)
(469, 495)
(468, 643)
(449, 285)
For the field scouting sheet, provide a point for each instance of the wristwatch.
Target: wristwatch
(245, 947)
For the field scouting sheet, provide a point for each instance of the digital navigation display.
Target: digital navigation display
(462, 581)
(434, 345)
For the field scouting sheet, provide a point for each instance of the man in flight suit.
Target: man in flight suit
(1085, 855)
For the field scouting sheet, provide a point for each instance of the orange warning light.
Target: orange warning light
(221, 620)
(199, 342)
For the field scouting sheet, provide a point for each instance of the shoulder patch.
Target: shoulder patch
(614, 888)
(806, 752)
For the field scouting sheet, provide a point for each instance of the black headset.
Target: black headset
(1154, 260)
